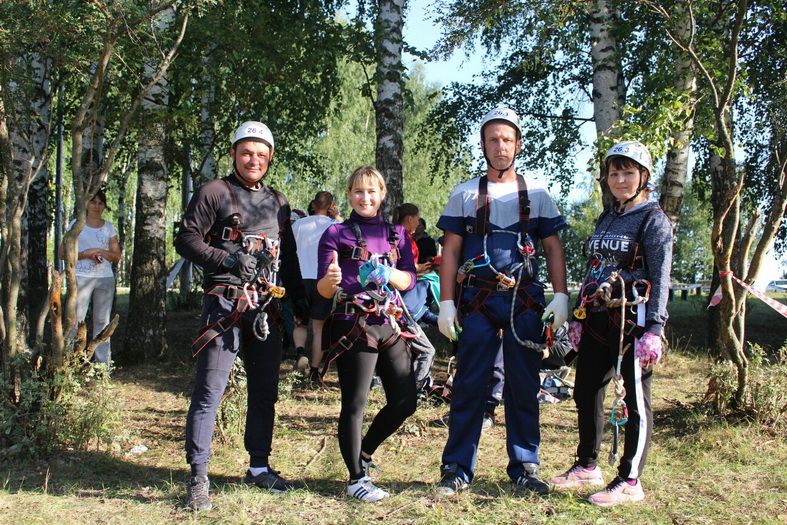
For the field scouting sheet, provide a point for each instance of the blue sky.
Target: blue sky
(420, 32)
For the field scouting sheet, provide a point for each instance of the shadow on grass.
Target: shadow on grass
(682, 419)
(78, 473)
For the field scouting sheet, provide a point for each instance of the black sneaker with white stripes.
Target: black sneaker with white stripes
(531, 481)
(451, 482)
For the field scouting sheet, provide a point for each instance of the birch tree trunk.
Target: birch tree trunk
(673, 184)
(609, 88)
(389, 106)
(24, 135)
(147, 315)
(207, 137)
(122, 225)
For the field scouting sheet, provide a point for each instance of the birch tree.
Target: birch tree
(389, 105)
(739, 243)
(147, 316)
(673, 183)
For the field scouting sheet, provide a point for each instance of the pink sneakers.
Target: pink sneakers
(578, 476)
(618, 491)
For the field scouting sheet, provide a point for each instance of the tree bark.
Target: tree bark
(389, 106)
(673, 183)
(147, 315)
(23, 139)
(122, 225)
(609, 88)
(207, 136)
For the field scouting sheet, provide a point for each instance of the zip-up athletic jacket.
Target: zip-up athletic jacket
(614, 238)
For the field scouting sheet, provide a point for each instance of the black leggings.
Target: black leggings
(356, 368)
(596, 362)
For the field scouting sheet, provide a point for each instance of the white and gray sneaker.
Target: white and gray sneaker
(365, 490)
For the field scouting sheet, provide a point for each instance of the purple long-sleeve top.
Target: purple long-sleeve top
(340, 238)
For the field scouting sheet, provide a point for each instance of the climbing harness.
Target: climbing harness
(378, 298)
(503, 282)
(255, 294)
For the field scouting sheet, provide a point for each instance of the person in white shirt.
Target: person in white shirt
(97, 249)
(308, 232)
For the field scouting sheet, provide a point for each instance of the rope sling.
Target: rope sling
(618, 416)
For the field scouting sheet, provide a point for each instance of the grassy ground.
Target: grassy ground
(700, 470)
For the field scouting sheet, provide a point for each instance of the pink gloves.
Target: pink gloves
(574, 334)
(647, 350)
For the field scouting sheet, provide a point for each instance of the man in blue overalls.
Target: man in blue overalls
(488, 287)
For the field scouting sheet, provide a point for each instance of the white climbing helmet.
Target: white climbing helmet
(633, 150)
(253, 130)
(502, 114)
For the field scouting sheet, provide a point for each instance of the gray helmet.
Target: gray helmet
(633, 150)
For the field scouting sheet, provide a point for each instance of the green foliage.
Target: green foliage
(692, 260)
(231, 416)
(74, 408)
(581, 218)
(348, 141)
(766, 401)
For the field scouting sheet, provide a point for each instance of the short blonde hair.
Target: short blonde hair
(366, 174)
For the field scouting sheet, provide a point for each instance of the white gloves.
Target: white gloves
(557, 307)
(447, 318)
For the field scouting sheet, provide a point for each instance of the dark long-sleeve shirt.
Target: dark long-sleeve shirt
(262, 212)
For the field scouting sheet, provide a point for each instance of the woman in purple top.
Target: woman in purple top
(366, 249)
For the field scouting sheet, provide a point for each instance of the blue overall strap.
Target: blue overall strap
(482, 208)
(524, 205)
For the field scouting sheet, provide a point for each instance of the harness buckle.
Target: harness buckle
(228, 233)
(358, 253)
(345, 343)
(470, 279)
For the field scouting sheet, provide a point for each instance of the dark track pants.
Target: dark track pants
(355, 368)
(423, 354)
(596, 363)
(496, 383)
(477, 352)
(261, 360)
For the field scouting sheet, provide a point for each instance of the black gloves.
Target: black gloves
(301, 309)
(241, 264)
